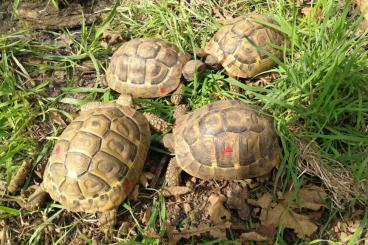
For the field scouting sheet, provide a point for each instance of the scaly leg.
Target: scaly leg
(173, 173)
(125, 100)
(107, 220)
(177, 96)
(36, 199)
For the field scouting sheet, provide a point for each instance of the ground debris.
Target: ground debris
(338, 180)
(252, 236)
(218, 231)
(301, 224)
(110, 37)
(349, 228)
(21, 175)
(311, 197)
(282, 212)
(39, 16)
(264, 201)
(176, 191)
(236, 199)
(218, 213)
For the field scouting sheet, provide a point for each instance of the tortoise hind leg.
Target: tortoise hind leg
(36, 199)
(233, 88)
(107, 220)
(173, 173)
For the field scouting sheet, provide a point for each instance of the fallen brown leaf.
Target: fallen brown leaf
(56, 118)
(147, 215)
(263, 202)
(218, 213)
(311, 196)
(218, 231)
(236, 200)
(252, 236)
(301, 224)
(268, 231)
(110, 37)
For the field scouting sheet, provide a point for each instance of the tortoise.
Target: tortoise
(148, 68)
(240, 45)
(97, 161)
(363, 7)
(225, 140)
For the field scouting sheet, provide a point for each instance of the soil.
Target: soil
(236, 210)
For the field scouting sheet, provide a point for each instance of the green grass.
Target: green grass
(322, 88)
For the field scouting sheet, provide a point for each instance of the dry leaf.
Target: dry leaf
(175, 191)
(301, 224)
(308, 11)
(147, 215)
(263, 202)
(218, 213)
(218, 231)
(344, 230)
(268, 231)
(252, 236)
(56, 118)
(311, 196)
(110, 37)
(236, 200)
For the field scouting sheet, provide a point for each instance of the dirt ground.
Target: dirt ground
(196, 211)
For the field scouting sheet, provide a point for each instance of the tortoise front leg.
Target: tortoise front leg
(107, 220)
(177, 96)
(36, 200)
(125, 100)
(173, 173)
(234, 88)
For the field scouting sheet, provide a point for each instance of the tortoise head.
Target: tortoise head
(168, 141)
(211, 60)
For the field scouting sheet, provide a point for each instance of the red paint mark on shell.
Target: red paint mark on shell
(262, 38)
(57, 149)
(162, 90)
(227, 151)
(126, 184)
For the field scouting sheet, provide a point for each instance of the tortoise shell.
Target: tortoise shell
(226, 140)
(363, 7)
(146, 68)
(240, 46)
(98, 159)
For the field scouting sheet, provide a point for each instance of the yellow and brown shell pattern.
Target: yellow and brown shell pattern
(146, 68)
(363, 7)
(226, 140)
(98, 159)
(240, 46)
